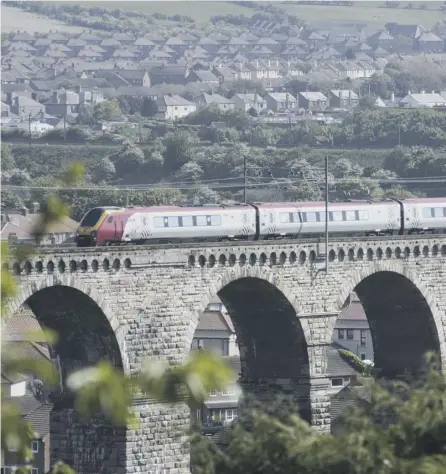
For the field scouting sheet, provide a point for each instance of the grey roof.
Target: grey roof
(337, 366)
(347, 397)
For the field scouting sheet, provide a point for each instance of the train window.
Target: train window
(215, 220)
(427, 212)
(311, 217)
(201, 220)
(187, 221)
(158, 222)
(284, 217)
(321, 216)
(438, 212)
(350, 215)
(363, 215)
(173, 221)
(296, 217)
(110, 219)
(336, 216)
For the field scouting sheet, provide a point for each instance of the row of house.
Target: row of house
(98, 47)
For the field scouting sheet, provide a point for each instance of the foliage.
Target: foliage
(107, 110)
(178, 151)
(394, 428)
(359, 365)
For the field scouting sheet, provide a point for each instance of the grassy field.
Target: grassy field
(372, 13)
(200, 11)
(14, 19)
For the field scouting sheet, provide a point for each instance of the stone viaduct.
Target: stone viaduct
(126, 304)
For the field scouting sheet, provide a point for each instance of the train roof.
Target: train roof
(188, 208)
(431, 200)
(343, 204)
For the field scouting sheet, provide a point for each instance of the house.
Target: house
(26, 107)
(343, 99)
(281, 101)
(410, 31)
(26, 391)
(430, 43)
(242, 71)
(266, 69)
(221, 407)
(340, 372)
(215, 331)
(316, 41)
(422, 100)
(352, 330)
(225, 74)
(18, 226)
(249, 101)
(222, 102)
(63, 103)
(174, 107)
(203, 76)
(381, 39)
(169, 74)
(313, 101)
(352, 395)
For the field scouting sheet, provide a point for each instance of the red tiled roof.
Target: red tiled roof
(353, 312)
(21, 324)
(214, 321)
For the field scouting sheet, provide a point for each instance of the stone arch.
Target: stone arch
(405, 321)
(272, 340)
(25, 291)
(87, 334)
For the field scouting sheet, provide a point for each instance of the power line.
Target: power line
(230, 183)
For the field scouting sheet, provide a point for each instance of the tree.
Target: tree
(367, 102)
(8, 162)
(178, 151)
(86, 117)
(11, 200)
(191, 171)
(107, 110)
(148, 108)
(104, 171)
(128, 160)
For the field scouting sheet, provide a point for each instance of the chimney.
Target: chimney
(55, 98)
(423, 92)
(35, 207)
(392, 97)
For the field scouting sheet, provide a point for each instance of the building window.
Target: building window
(341, 334)
(339, 382)
(350, 333)
(35, 446)
(229, 416)
(363, 356)
(363, 337)
(198, 414)
(213, 393)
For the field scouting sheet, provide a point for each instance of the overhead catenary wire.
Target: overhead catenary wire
(228, 183)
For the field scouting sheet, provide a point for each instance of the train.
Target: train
(259, 221)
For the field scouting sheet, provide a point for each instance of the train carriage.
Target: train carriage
(306, 219)
(426, 215)
(259, 221)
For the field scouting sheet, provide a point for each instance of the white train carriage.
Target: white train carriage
(176, 223)
(424, 215)
(308, 218)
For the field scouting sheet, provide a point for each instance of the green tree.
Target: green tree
(179, 150)
(107, 110)
(8, 162)
(148, 108)
(104, 171)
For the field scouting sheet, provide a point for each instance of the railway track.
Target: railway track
(247, 243)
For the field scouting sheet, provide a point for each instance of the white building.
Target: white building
(174, 107)
(423, 100)
(352, 330)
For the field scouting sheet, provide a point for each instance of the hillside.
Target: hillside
(14, 19)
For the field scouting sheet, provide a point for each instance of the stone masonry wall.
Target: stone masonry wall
(152, 300)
